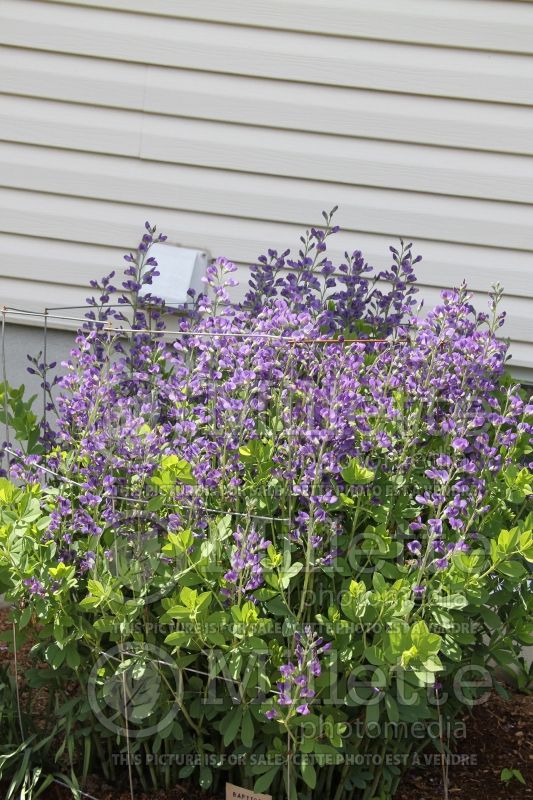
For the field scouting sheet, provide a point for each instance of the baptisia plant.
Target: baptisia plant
(280, 542)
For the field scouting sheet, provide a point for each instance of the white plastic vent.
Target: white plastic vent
(180, 269)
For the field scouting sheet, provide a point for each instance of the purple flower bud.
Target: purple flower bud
(287, 670)
(435, 526)
(460, 443)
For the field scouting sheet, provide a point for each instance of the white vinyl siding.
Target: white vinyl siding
(232, 124)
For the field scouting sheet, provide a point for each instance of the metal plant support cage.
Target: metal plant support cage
(60, 315)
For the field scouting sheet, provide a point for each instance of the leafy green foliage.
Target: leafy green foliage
(16, 413)
(293, 563)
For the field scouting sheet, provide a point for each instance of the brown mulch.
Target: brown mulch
(100, 790)
(499, 736)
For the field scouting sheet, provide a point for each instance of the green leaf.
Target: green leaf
(247, 730)
(508, 540)
(391, 707)
(372, 713)
(89, 602)
(179, 612)
(526, 545)
(180, 469)
(189, 597)
(55, 655)
(182, 540)
(451, 649)
(450, 601)
(216, 638)
(519, 777)
(374, 655)
(264, 782)
(356, 474)
(432, 664)
(399, 638)
(206, 777)
(507, 775)
(155, 503)
(490, 618)
(187, 771)
(203, 602)
(25, 617)
(512, 569)
(442, 618)
(425, 642)
(96, 588)
(73, 658)
(7, 490)
(289, 573)
(308, 774)
(230, 725)
(177, 638)
(520, 483)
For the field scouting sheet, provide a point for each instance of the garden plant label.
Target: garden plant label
(238, 793)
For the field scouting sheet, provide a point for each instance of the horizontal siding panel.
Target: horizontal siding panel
(73, 78)
(38, 296)
(457, 23)
(59, 262)
(290, 154)
(35, 224)
(521, 361)
(344, 111)
(75, 127)
(391, 213)
(339, 160)
(261, 102)
(308, 58)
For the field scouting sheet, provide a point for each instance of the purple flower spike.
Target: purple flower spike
(246, 573)
(258, 408)
(295, 687)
